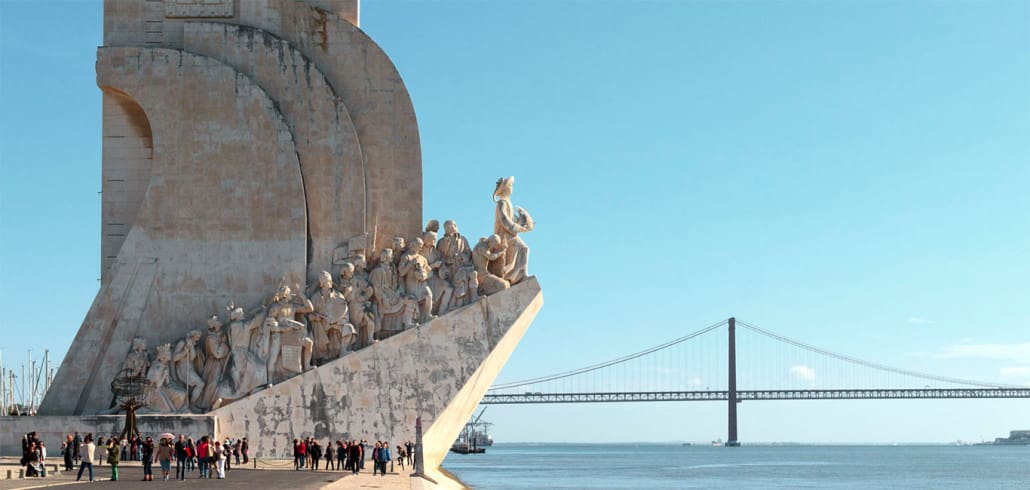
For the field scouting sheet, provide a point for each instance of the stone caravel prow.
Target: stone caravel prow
(438, 371)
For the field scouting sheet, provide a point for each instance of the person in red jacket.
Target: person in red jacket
(204, 457)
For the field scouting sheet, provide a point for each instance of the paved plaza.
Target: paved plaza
(271, 474)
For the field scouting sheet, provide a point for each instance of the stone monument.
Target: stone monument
(264, 154)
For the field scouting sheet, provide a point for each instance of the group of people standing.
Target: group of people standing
(211, 458)
(349, 455)
(33, 455)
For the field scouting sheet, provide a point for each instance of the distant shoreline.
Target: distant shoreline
(709, 444)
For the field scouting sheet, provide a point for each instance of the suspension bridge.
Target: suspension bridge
(775, 367)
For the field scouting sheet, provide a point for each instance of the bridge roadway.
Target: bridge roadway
(742, 395)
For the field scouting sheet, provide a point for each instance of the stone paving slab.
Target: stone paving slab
(270, 474)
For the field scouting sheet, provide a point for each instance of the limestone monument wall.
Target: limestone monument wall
(266, 269)
(244, 142)
(438, 371)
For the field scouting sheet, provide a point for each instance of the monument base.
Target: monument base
(52, 429)
(438, 371)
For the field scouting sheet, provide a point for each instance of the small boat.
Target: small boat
(463, 448)
(473, 438)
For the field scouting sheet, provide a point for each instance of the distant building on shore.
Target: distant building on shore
(1015, 438)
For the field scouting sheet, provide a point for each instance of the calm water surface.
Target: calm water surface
(653, 466)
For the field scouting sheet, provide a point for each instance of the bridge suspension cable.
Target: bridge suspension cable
(595, 367)
(867, 364)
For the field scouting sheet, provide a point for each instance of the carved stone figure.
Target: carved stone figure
(289, 349)
(458, 267)
(398, 250)
(186, 358)
(216, 354)
(488, 257)
(438, 283)
(414, 272)
(329, 321)
(508, 225)
(165, 397)
(247, 371)
(137, 362)
(358, 292)
(396, 310)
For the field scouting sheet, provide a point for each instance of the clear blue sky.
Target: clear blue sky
(852, 174)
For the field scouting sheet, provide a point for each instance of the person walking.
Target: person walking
(204, 457)
(146, 451)
(86, 453)
(41, 449)
(191, 455)
(101, 454)
(384, 457)
(114, 457)
(341, 455)
(69, 454)
(226, 448)
(375, 458)
(364, 450)
(353, 455)
(163, 455)
(303, 454)
(296, 454)
(180, 452)
(219, 457)
(329, 455)
(315, 452)
(76, 443)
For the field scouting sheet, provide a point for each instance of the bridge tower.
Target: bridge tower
(731, 438)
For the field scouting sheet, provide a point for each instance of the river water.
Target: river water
(654, 466)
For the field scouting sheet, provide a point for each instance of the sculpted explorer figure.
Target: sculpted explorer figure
(358, 292)
(414, 273)
(166, 398)
(438, 283)
(508, 225)
(216, 350)
(247, 371)
(396, 310)
(488, 256)
(329, 321)
(289, 349)
(185, 359)
(458, 267)
(137, 362)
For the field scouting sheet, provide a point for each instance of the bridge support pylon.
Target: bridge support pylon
(731, 416)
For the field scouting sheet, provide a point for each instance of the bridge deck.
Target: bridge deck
(742, 395)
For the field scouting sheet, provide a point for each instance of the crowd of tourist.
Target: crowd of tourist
(207, 457)
(349, 455)
(212, 459)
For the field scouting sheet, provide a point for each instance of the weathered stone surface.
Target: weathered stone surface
(374, 93)
(223, 216)
(439, 371)
(329, 152)
(361, 75)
